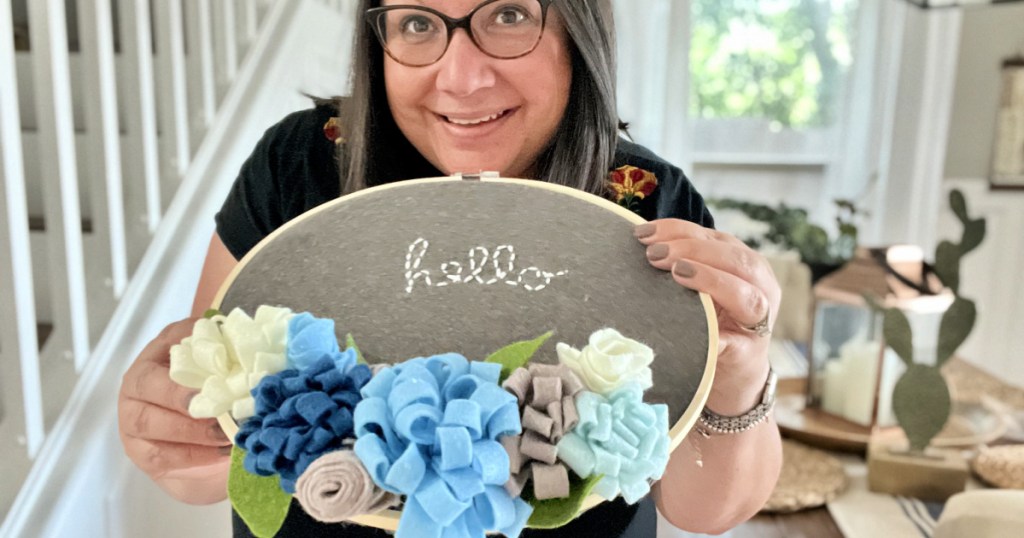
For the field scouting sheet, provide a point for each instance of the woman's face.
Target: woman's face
(469, 112)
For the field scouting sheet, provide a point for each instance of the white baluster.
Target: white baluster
(172, 95)
(250, 21)
(104, 137)
(202, 89)
(141, 144)
(225, 44)
(48, 32)
(18, 312)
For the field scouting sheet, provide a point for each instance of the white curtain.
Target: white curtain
(653, 74)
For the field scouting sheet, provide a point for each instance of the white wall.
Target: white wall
(989, 36)
(991, 274)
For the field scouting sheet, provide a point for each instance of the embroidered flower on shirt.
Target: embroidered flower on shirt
(332, 131)
(629, 185)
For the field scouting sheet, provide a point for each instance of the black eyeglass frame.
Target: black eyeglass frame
(373, 18)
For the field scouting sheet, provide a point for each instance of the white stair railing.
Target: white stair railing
(112, 147)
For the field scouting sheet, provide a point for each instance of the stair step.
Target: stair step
(38, 224)
(43, 332)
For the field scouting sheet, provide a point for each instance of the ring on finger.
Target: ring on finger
(761, 328)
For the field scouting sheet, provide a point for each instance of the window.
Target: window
(768, 77)
(764, 100)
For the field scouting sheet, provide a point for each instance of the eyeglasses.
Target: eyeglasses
(417, 36)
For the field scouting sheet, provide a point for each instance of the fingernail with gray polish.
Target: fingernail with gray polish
(657, 252)
(645, 230)
(684, 269)
(218, 433)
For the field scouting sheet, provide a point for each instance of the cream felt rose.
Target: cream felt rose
(227, 356)
(609, 361)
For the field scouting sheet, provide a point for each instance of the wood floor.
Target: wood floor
(816, 523)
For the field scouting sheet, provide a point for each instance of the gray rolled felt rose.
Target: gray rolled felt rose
(336, 487)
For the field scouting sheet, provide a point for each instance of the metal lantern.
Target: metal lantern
(852, 372)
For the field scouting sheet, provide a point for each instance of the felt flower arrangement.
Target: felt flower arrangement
(461, 448)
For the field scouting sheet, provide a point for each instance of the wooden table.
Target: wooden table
(813, 523)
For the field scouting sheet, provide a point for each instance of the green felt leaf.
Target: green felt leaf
(974, 234)
(351, 342)
(259, 500)
(958, 204)
(872, 302)
(947, 264)
(210, 313)
(554, 513)
(956, 325)
(518, 354)
(896, 328)
(922, 404)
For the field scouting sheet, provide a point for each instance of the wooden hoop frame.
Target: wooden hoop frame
(388, 519)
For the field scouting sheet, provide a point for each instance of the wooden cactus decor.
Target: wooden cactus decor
(920, 399)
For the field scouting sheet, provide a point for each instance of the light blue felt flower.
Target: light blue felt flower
(620, 437)
(310, 339)
(428, 429)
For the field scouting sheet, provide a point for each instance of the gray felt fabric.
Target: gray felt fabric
(348, 262)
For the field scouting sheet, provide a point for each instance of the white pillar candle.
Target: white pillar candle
(860, 360)
(833, 391)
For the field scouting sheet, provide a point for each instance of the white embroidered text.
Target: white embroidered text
(482, 267)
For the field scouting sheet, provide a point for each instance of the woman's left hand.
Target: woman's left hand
(744, 290)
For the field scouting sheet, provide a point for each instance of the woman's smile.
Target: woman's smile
(475, 129)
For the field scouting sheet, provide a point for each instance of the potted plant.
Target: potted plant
(788, 228)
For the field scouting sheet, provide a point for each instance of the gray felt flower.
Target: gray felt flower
(546, 401)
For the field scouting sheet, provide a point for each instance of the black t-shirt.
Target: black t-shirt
(294, 169)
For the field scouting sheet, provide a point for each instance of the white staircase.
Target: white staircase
(120, 148)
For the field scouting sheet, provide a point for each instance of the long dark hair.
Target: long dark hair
(377, 152)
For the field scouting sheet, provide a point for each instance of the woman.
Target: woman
(523, 87)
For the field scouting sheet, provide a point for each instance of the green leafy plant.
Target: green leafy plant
(789, 228)
(921, 399)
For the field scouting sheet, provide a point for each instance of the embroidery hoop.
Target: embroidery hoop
(388, 519)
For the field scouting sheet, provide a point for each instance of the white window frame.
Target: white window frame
(654, 95)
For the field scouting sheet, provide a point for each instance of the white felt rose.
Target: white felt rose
(227, 356)
(609, 361)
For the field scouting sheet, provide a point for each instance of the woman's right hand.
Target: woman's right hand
(187, 457)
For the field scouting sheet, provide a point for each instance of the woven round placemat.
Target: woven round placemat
(809, 478)
(1001, 466)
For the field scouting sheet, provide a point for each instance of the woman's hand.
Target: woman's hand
(187, 457)
(744, 290)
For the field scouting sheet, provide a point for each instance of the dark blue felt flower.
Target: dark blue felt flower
(300, 415)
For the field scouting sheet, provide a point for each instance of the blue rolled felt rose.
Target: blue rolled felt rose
(621, 437)
(429, 429)
(310, 339)
(300, 415)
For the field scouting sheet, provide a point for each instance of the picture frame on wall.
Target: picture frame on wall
(1008, 150)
